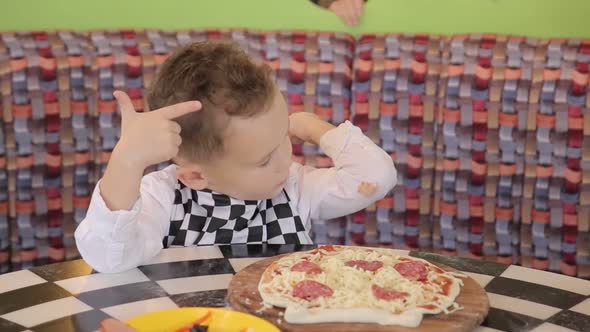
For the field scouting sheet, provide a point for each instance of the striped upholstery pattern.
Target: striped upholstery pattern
(395, 102)
(480, 161)
(489, 134)
(314, 72)
(47, 145)
(509, 179)
(556, 199)
(4, 221)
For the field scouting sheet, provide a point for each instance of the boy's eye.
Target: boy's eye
(264, 164)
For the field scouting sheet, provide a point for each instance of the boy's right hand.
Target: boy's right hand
(150, 138)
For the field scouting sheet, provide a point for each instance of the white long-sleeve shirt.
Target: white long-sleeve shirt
(114, 241)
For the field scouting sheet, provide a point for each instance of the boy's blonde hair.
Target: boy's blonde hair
(224, 79)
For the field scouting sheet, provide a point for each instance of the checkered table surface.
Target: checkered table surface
(70, 296)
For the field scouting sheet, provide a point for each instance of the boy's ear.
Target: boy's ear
(192, 176)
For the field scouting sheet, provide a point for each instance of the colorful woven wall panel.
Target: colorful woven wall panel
(42, 90)
(314, 72)
(4, 217)
(556, 200)
(395, 102)
(489, 134)
(479, 173)
(509, 181)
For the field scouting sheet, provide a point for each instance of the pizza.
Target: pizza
(342, 284)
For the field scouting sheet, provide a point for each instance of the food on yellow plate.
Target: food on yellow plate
(196, 325)
(113, 325)
(199, 319)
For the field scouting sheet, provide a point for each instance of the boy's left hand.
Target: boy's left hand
(307, 127)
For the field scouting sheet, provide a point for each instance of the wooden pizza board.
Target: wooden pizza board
(243, 296)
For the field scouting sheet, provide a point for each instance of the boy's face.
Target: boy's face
(255, 163)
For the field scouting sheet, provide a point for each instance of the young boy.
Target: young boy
(225, 125)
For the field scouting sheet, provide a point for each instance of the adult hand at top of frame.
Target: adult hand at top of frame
(350, 11)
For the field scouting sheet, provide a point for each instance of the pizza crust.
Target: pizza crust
(302, 315)
(353, 315)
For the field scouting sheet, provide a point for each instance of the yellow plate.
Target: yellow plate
(221, 320)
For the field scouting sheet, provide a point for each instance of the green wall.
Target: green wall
(541, 18)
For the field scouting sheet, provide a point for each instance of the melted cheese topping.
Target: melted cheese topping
(352, 285)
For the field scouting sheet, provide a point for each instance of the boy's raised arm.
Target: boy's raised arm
(146, 139)
(129, 213)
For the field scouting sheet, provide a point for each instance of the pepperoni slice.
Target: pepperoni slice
(365, 265)
(307, 267)
(387, 294)
(412, 270)
(310, 289)
(327, 247)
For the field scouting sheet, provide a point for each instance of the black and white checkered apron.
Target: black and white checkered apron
(203, 217)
